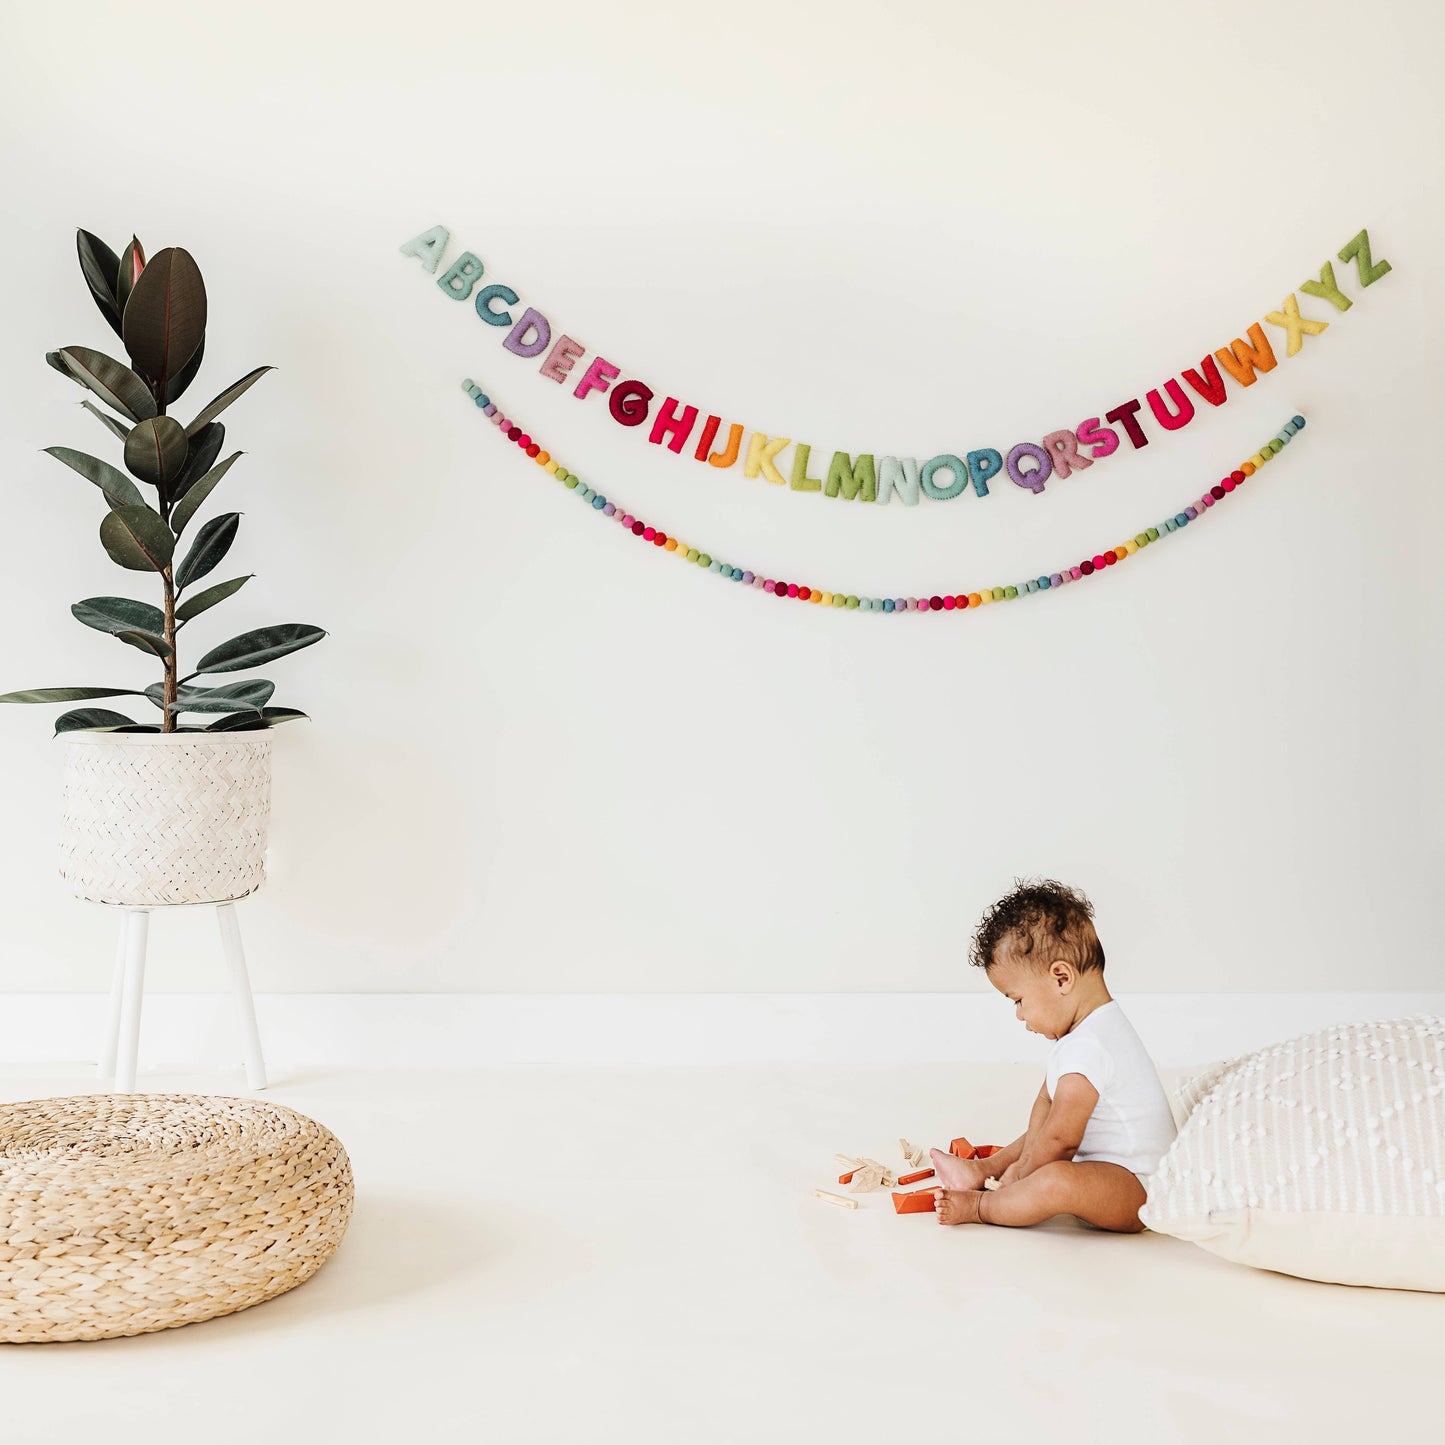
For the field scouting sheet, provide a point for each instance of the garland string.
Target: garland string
(957, 602)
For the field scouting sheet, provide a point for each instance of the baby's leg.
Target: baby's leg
(1106, 1195)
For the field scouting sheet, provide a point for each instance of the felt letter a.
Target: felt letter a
(428, 248)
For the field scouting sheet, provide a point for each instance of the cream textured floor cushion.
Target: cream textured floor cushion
(1322, 1157)
(126, 1213)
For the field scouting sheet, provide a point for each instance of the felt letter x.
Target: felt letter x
(1295, 324)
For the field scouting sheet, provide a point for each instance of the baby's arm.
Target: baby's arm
(1056, 1130)
(994, 1166)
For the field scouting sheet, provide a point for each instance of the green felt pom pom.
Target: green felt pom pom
(850, 602)
(703, 560)
(839, 600)
(1010, 592)
(571, 482)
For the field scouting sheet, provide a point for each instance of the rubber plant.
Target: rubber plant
(158, 309)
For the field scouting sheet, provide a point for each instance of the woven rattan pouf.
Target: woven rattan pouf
(126, 1213)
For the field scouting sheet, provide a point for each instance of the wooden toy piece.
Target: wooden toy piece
(916, 1201)
(848, 1177)
(841, 1200)
(847, 1161)
(962, 1148)
(991, 1183)
(987, 1151)
(912, 1153)
(914, 1178)
(866, 1178)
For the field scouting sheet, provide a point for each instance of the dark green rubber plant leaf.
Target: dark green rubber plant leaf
(249, 722)
(150, 642)
(212, 543)
(130, 270)
(119, 614)
(112, 381)
(205, 448)
(54, 358)
(254, 694)
(101, 268)
(186, 375)
(96, 719)
(68, 694)
(165, 317)
(252, 649)
(155, 451)
(216, 407)
(119, 490)
(116, 427)
(197, 493)
(136, 538)
(194, 606)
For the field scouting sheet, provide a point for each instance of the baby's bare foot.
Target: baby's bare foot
(956, 1173)
(958, 1206)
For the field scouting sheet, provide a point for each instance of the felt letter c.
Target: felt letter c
(484, 300)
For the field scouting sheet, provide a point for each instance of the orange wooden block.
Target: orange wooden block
(916, 1201)
(987, 1151)
(962, 1148)
(848, 1177)
(914, 1178)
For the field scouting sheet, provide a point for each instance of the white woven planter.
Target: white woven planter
(158, 818)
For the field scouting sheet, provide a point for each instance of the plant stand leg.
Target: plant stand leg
(241, 988)
(106, 1068)
(137, 928)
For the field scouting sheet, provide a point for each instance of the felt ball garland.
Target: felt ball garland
(955, 602)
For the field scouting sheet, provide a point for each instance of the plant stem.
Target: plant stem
(168, 724)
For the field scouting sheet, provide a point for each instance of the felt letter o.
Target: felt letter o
(1035, 477)
(944, 462)
(484, 300)
(628, 403)
(515, 341)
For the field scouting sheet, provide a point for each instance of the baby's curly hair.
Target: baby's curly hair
(1040, 920)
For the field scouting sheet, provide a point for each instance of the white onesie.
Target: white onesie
(1131, 1124)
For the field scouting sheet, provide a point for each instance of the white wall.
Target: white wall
(542, 760)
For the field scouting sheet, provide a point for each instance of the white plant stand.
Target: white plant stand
(122, 1030)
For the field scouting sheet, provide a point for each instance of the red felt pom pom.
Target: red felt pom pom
(961, 600)
(513, 432)
(533, 450)
(936, 603)
(1086, 567)
(805, 594)
(1238, 477)
(660, 539)
(638, 528)
(1110, 558)
(1217, 491)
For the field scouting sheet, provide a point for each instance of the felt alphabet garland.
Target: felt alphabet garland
(939, 602)
(866, 477)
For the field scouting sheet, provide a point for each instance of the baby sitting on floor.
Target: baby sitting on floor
(1101, 1120)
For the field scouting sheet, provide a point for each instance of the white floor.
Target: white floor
(634, 1255)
